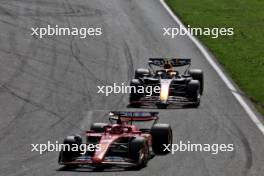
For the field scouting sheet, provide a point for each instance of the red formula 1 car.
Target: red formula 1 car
(130, 139)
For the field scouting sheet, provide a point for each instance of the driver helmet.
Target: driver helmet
(168, 66)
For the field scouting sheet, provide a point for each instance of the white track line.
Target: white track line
(239, 98)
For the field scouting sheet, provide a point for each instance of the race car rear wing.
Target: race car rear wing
(134, 116)
(175, 62)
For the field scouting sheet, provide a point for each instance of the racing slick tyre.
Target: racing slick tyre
(98, 127)
(197, 74)
(161, 135)
(139, 151)
(141, 72)
(68, 155)
(134, 97)
(193, 92)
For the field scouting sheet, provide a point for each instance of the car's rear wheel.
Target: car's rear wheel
(98, 127)
(134, 96)
(141, 72)
(161, 137)
(197, 74)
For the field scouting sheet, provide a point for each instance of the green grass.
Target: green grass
(242, 54)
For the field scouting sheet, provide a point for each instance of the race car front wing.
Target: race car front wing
(155, 100)
(108, 160)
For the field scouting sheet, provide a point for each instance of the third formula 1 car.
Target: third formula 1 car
(175, 87)
(130, 139)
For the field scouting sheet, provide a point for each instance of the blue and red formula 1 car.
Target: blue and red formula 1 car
(178, 85)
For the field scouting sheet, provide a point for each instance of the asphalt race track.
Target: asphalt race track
(48, 88)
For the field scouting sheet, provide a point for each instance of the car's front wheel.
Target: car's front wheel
(69, 152)
(139, 151)
(193, 92)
